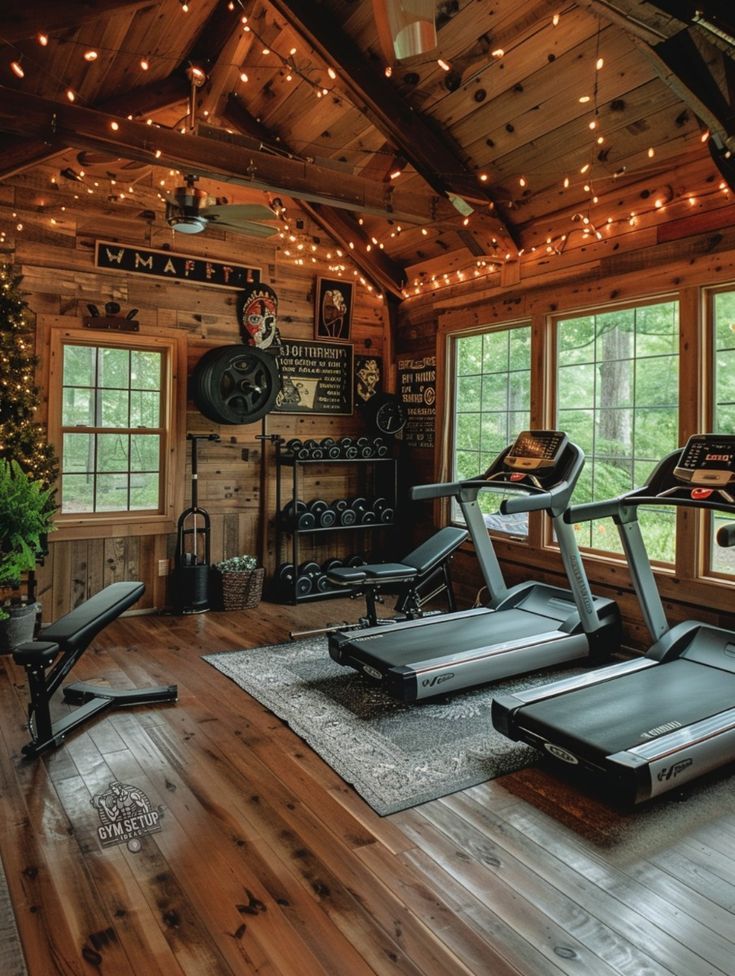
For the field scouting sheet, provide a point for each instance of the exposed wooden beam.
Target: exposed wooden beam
(83, 128)
(341, 226)
(431, 152)
(22, 20)
(18, 154)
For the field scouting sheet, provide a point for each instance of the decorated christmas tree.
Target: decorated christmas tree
(22, 439)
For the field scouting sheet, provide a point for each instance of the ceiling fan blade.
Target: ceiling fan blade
(246, 227)
(237, 212)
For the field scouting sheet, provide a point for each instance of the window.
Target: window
(113, 409)
(618, 397)
(722, 315)
(492, 405)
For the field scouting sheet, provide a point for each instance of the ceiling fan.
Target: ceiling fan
(189, 211)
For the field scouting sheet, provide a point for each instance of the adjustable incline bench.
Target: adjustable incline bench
(65, 641)
(419, 577)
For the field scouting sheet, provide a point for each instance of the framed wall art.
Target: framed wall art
(333, 309)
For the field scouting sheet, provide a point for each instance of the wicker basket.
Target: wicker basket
(242, 591)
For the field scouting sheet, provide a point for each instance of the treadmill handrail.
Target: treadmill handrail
(590, 511)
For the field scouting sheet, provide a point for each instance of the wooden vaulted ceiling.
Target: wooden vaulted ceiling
(549, 126)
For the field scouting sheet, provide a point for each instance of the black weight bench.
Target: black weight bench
(419, 577)
(64, 642)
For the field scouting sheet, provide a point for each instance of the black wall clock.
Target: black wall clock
(387, 413)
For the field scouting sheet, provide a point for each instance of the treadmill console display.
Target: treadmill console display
(705, 471)
(536, 451)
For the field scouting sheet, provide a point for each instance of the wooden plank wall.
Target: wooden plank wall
(59, 279)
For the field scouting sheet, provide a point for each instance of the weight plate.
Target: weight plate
(294, 508)
(355, 561)
(285, 573)
(293, 446)
(348, 516)
(310, 568)
(306, 522)
(368, 517)
(351, 452)
(303, 585)
(362, 442)
(328, 518)
(345, 442)
(311, 444)
(382, 451)
(367, 451)
(339, 504)
(329, 564)
(322, 583)
(379, 504)
(387, 515)
(334, 452)
(317, 506)
(359, 504)
(235, 384)
(327, 442)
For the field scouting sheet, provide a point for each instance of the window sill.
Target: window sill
(68, 527)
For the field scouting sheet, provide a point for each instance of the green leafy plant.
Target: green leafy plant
(26, 515)
(237, 564)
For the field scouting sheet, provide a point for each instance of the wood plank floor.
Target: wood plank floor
(267, 862)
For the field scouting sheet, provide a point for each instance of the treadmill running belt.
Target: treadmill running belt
(615, 715)
(448, 636)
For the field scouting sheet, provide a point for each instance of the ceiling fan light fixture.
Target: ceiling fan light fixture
(187, 223)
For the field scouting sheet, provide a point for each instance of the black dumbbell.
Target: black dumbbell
(359, 505)
(388, 514)
(307, 576)
(322, 583)
(365, 447)
(331, 448)
(339, 504)
(348, 448)
(347, 516)
(354, 561)
(380, 448)
(293, 509)
(324, 515)
(333, 563)
(379, 504)
(293, 446)
(284, 576)
(369, 517)
(315, 449)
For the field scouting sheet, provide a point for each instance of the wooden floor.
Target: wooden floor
(267, 862)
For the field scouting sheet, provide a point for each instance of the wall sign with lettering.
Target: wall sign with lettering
(317, 377)
(417, 389)
(175, 267)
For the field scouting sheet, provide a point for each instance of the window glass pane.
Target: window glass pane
(77, 407)
(79, 365)
(145, 370)
(112, 493)
(618, 398)
(144, 491)
(493, 405)
(78, 452)
(77, 493)
(113, 408)
(112, 452)
(113, 368)
(144, 409)
(145, 452)
(723, 412)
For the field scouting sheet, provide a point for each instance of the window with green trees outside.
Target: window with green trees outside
(492, 405)
(618, 398)
(722, 312)
(112, 428)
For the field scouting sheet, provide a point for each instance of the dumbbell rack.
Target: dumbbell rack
(377, 469)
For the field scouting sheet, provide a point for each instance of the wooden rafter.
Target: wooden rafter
(341, 226)
(432, 153)
(22, 20)
(83, 128)
(19, 154)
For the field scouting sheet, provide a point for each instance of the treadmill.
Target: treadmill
(523, 628)
(650, 724)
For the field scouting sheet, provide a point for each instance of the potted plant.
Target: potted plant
(241, 582)
(26, 515)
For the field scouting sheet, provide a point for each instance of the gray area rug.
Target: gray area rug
(12, 962)
(396, 756)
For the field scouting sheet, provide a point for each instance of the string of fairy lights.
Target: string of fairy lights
(588, 224)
